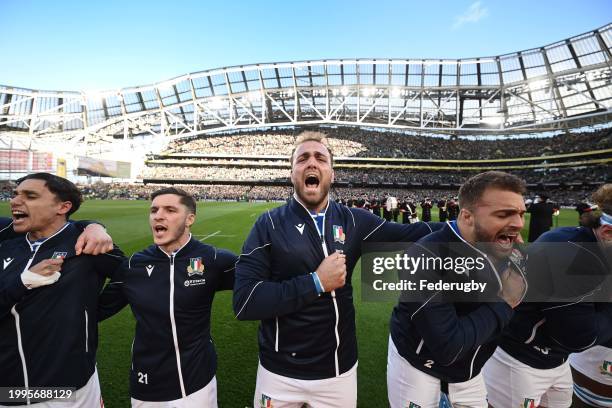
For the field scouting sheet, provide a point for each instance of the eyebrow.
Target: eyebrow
(164, 206)
(15, 192)
(512, 210)
(315, 153)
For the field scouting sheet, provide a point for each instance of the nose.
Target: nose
(517, 221)
(15, 200)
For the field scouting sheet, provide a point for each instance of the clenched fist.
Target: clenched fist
(332, 271)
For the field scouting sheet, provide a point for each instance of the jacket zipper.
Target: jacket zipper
(26, 382)
(173, 324)
(335, 302)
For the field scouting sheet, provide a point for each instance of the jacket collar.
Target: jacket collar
(299, 208)
(50, 239)
(187, 245)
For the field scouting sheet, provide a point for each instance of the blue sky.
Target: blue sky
(98, 45)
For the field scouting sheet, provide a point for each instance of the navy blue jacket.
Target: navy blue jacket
(445, 339)
(303, 334)
(542, 335)
(6, 229)
(55, 325)
(171, 296)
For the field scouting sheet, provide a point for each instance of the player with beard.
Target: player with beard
(440, 343)
(295, 276)
(170, 288)
(531, 365)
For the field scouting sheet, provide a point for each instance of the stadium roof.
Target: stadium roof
(562, 85)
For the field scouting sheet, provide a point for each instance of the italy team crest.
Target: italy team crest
(196, 267)
(338, 234)
(266, 402)
(528, 403)
(59, 255)
(606, 368)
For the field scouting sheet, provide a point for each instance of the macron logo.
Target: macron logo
(300, 227)
(7, 262)
(149, 269)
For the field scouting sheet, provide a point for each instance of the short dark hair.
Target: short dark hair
(186, 199)
(64, 190)
(472, 190)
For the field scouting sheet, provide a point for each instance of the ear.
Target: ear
(190, 220)
(333, 175)
(64, 207)
(466, 216)
(291, 175)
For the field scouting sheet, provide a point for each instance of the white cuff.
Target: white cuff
(33, 280)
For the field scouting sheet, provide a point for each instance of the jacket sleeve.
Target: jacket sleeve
(375, 229)
(450, 337)
(82, 224)
(447, 335)
(226, 264)
(12, 290)
(256, 296)
(112, 299)
(109, 263)
(579, 326)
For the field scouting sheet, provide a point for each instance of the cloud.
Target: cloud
(473, 14)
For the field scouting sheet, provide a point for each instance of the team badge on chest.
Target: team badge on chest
(196, 267)
(59, 255)
(338, 234)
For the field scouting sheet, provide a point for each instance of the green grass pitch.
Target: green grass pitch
(226, 225)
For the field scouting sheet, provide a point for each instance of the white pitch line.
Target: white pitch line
(252, 215)
(210, 235)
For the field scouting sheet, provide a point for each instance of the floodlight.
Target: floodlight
(369, 91)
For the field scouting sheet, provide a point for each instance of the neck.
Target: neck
(317, 208)
(175, 245)
(466, 233)
(48, 230)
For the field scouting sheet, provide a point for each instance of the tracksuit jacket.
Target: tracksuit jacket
(542, 335)
(6, 229)
(171, 297)
(50, 333)
(446, 339)
(302, 334)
